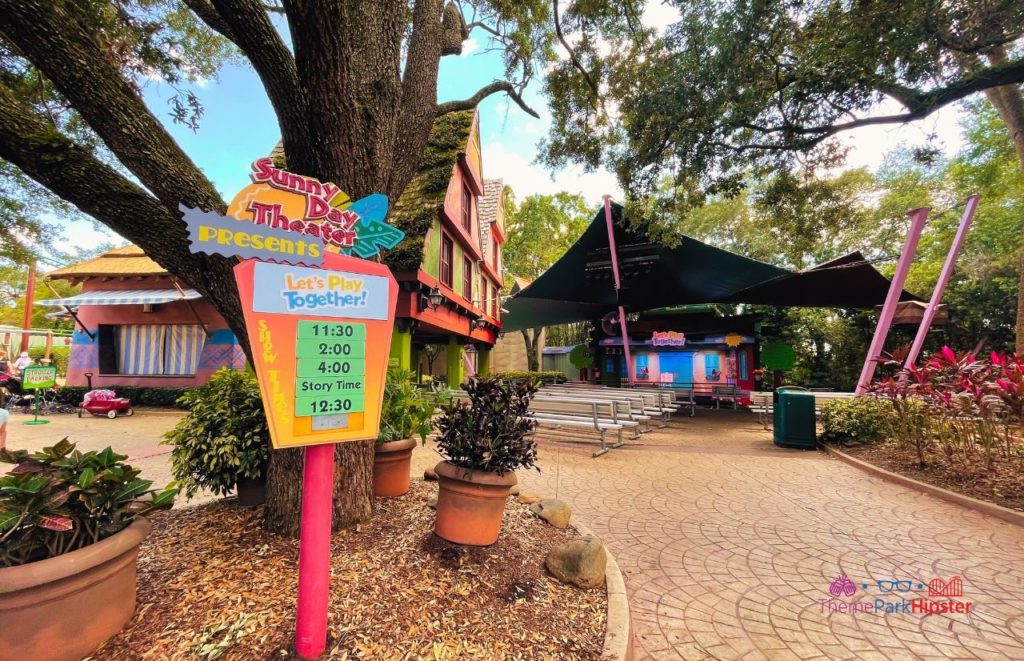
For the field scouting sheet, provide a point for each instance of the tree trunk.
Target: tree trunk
(532, 364)
(353, 487)
(1009, 102)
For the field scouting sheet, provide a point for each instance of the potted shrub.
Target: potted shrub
(223, 443)
(483, 442)
(405, 413)
(70, 528)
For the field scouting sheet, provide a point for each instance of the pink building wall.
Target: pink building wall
(220, 349)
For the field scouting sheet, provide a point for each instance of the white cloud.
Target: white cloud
(659, 15)
(469, 46)
(527, 178)
(869, 144)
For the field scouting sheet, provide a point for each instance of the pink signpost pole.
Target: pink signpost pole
(618, 286)
(940, 286)
(918, 217)
(314, 551)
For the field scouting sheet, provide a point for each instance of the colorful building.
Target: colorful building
(686, 348)
(135, 324)
(449, 266)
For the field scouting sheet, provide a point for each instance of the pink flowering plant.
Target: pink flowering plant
(963, 404)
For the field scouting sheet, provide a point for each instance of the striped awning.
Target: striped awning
(123, 297)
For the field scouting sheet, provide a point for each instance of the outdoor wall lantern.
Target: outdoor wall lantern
(435, 298)
(480, 323)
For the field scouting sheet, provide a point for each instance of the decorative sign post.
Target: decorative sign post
(320, 337)
(38, 377)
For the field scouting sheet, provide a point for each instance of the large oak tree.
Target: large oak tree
(355, 94)
(745, 88)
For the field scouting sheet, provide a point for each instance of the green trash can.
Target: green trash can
(794, 418)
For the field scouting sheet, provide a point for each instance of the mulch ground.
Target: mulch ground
(212, 584)
(1003, 484)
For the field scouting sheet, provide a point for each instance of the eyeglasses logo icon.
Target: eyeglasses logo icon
(842, 586)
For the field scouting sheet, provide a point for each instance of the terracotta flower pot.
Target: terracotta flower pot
(391, 465)
(470, 504)
(65, 607)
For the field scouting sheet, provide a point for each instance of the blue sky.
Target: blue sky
(239, 126)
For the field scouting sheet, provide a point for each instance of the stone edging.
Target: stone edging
(618, 637)
(998, 511)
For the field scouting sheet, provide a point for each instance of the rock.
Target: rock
(429, 475)
(527, 498)
(555, 512)
(580, 562)
(432, 503)
(514, 491)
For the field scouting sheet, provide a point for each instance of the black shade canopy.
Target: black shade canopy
(579, 286)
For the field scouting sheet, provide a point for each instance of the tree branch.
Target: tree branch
(919, 104)
(208, 14)
(273, 62)
(483, 93)
(73, 173)
(419, 92)
(56, 41)
(572, 53)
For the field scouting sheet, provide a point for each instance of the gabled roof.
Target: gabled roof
(415, 211)
(487, 209)
(126, 261)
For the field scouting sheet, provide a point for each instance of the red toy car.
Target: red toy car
(105, 402)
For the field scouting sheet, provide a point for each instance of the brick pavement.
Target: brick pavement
(728, 543)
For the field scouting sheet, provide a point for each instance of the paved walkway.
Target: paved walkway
(729, 544)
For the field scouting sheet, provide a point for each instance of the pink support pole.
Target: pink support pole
(940, 286)
(618, 286)
(918, 217)
(314, 551)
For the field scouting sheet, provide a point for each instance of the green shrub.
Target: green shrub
(59, 357)
(140, 396)
(491, 432)
(861, 419)
(550, 376)
(406, 411)
(60, 500)
(224, 436)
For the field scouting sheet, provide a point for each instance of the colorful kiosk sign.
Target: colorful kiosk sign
(38, 377)
(320, 337)
(668, 339)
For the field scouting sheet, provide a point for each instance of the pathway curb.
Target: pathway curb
(618, 637)
(998, 511)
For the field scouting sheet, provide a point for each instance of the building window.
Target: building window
(150, 349)
(497, 265)
(467, 208)
(712, 368)
(447, 254)
(495, 304)
(643, 370)
(467, 279)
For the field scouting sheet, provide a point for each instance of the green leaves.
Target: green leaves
(405, 411)
(59, 499)
(223, 437)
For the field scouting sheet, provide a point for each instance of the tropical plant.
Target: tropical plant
(59, 500)
(859, 419)
(491, 432)
(223, 438)
(405, 411)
